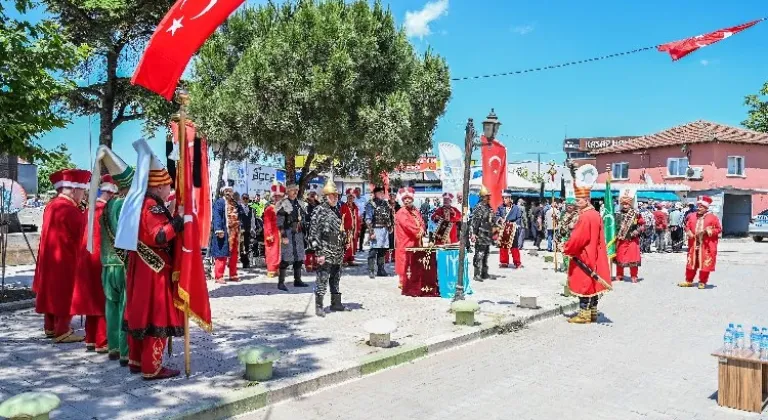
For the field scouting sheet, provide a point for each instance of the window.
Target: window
(736, 165)
(620, 170)
(677, 166)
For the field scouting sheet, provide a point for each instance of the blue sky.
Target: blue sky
(629, 95)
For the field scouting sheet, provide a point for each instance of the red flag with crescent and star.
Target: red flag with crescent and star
(679, 49)
(178, 36)
(494, 169)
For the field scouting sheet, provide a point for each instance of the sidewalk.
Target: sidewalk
(316, 352)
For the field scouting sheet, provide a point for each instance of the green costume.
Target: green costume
(113, 279)
(258, 207)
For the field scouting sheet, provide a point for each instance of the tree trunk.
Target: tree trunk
(290, 168)
(107, 111)
(222, 162)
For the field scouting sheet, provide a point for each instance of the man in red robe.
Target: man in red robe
(272, 240)
(351, 216)
(62, 231)
(150, 315)
(409, 229)
(88, 298)
(703, 232)
(589, 273)
(630, 224)
(447, 218)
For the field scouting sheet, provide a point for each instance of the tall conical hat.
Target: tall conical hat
(330, 187)
(484, 191)
(584, 179)
(121, 173)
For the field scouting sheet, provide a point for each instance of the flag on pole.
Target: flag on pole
(188, 271)
(494, 169)
(178, 36)
(679, 49)
(609, 221)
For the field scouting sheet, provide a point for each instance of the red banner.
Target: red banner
(679, 49)
(494, 169)
(179, 35)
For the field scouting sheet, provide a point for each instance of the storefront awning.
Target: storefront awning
(641, 195)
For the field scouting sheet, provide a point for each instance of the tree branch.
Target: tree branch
(125, 118)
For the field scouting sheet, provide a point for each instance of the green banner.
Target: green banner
(609, 221)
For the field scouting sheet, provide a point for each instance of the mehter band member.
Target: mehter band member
(272, 236)
(150, 315)
(481, 224)
(629, 227)
(225, 245)
(63, 226)
(447, 218)
(509, 216)
(409, 229)
(380, 221)
(351, 225)
(703, 231)
(328, 237)
(291, 220)
(310, 261)
(589, 272)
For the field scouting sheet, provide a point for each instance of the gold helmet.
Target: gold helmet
(330, 188)
(484, 191)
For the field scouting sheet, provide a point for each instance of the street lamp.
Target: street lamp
(490, 130)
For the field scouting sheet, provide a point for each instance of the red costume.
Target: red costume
(62, 232)
(351, 220)
(630, 225)
(446, 218)
(88, 297)
(587, 243)
(703, 235)
(409, 229)
(272, 240)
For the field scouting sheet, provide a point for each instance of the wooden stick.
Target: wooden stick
(187, 355)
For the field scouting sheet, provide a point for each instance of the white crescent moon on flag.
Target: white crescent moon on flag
(207, 9)
(495, 157)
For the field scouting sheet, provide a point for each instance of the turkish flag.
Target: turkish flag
(679, 49)
(494, 169)
(201, 189)
(180, 34)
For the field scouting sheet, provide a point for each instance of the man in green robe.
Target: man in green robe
(113, 260)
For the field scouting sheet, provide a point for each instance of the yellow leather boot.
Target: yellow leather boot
(583, 317)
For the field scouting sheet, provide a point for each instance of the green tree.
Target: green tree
(757, 116)
(117, 32)
(321, 78)
(57, 159)
(30, 57)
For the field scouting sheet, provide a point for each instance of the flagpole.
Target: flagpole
(183, 99)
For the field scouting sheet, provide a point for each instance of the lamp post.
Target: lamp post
(490, 130)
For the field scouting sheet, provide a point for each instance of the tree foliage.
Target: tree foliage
(57, 159)
(757, 116)
(31, 55)
(117, 32)
(324, 78)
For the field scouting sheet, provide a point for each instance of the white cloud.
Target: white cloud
(524, 29)
(704, 62)
(417, 23)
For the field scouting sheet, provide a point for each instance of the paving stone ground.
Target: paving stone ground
(649, 358)
(248, 313)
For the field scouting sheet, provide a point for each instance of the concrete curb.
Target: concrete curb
(253, 398)
(17, 305)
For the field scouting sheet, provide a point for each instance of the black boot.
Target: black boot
(281, 280)
(319, 306)
(372, 267)
(336, 305)
(485, 275)
(380, 272)
(297, 276)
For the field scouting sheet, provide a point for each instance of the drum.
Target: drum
(448, 272)
(421, 273)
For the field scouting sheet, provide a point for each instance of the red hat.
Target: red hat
(278, 188)
(448, 195)
(704, 200)
(406, 192)
(70, 178)
(108, 184)
(350, 191)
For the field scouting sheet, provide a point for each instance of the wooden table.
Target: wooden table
(742, 380)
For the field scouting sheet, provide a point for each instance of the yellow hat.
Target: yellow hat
(330, 188)
(484, 191)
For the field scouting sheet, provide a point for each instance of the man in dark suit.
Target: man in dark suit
(246, 224)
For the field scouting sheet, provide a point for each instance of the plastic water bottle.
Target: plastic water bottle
(739, 342)
(764, 346)
(728, 340)
(755, 339)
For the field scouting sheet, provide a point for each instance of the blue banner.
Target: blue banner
(448, 272)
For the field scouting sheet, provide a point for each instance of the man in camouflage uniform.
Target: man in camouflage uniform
(328, 238)
(291, 220)
(481, 226)
(380, 222)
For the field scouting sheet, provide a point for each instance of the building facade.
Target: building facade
(582, 150)
(728, 163)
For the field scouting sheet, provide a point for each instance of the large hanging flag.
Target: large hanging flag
(494, 169)
(178, 36)
(451, 167)
(679, 49)
(609, 220)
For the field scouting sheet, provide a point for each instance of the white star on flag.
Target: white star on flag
(176, 25)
